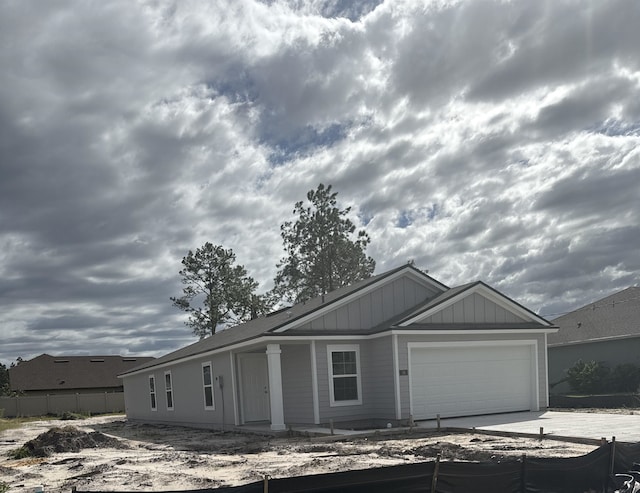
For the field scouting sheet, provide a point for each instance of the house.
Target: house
(48, 374)
(394, 347)
(607, 330)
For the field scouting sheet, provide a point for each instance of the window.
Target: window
(344, 375)
(169, 390)
(152, 392)
(207, 384)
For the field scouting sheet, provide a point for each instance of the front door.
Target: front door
(254, 387)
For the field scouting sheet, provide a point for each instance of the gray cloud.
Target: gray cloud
(483, 140)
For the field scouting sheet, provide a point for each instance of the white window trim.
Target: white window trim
(152, 378)
(331, 348)
(204, 386)
(167, 390)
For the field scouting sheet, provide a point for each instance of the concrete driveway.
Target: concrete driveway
(624, 427)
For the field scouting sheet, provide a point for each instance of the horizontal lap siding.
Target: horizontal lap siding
(376, 367)
(378, 379)
(188, 394)
(297, 384)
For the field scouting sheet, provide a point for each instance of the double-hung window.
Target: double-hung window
(207, 385)
(168, 387)
(344, 374)
(152, 392)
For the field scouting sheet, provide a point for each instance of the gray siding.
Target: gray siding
(297, 384)
(474, 309)
(188, 395)
(375, 307)
(378, 378)
(612, 353)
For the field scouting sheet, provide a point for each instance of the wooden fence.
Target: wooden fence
(40, 405)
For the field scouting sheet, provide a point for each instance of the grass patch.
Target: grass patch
(11, 423)
(3, 487)
(20, 453)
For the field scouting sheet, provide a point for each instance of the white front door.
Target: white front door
(254, 387)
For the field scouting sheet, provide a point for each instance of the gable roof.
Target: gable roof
(46, 372)
(613, 317)
(280, 320)
(454, 295)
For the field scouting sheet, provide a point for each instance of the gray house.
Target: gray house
(396, 346)
(607, 330)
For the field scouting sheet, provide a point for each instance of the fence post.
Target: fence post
(265, 483)
(523, 474)
(434, 480)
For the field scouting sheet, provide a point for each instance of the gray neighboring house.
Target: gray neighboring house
(606, 330)
(396, 346)
(55, 375)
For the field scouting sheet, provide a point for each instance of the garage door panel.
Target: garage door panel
(463, 381)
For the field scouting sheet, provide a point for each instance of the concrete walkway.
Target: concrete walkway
(624, 427)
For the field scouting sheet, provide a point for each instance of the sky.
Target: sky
(483, 140)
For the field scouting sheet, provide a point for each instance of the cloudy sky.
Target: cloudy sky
(492, 140)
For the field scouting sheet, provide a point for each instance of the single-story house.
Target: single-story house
(388, 349)
(607, 330)
(48, 374)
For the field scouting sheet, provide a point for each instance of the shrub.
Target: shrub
(589, 377)
(625, 378)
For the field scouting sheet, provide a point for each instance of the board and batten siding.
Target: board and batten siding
(474, 308)
(297, 386)
(375, 307)
(403, 358)
(188, 394)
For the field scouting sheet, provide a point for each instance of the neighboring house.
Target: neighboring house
(47, 374)
(607, 330)
(396, 346)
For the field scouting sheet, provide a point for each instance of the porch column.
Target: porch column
(275, 387)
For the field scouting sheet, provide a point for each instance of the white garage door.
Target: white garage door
(466, 381)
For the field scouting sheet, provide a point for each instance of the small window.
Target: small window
(152, 392)
(169, 390)
(344, 375)
(207, 385)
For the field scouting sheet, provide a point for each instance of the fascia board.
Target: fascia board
(413, 273)
(292, 338)
(488, 293)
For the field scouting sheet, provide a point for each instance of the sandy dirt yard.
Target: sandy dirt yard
(136, 457)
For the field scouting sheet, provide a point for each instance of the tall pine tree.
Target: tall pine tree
(216, 291)
(323, 249)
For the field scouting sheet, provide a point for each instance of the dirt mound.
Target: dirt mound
(66, 439)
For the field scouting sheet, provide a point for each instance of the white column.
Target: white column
(275, 387)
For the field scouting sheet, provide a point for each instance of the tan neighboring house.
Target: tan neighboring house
(52, 375)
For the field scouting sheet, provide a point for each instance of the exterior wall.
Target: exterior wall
(473, 309)
(377, 382)
(297, 384)
(188, 394)
(375, 307)
(613, 353)
(403, 360)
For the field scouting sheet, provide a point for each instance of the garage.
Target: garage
(472, 378)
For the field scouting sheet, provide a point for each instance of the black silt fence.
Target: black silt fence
(590, 472)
